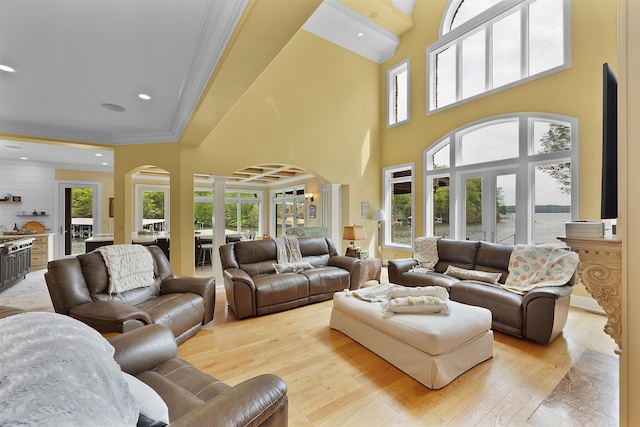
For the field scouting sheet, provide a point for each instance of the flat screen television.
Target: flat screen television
(609, 198)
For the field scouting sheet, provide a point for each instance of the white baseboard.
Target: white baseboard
(586, 303)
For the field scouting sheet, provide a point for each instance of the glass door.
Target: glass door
(489, 208)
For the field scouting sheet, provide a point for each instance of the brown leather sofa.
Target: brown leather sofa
(254, 288)
(79, 288)
(194, 398)
(539, 315)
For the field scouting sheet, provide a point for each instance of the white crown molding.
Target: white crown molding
(217, 25)
(339, 24)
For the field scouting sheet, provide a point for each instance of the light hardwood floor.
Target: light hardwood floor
(333, 381)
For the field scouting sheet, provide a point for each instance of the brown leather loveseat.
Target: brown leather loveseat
(79, 288)
(539, 315)
(254, 288)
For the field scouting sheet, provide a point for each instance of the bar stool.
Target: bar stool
(205, 247)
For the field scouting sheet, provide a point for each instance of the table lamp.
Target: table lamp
(352, 233)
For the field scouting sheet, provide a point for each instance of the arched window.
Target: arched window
(510, 179)
(491, 45)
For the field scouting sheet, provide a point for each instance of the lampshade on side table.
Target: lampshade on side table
(352, 233)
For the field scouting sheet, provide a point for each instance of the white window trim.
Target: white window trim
(391, 104)
(525, 163)
(386, 203)
(140, 188)
(485, 20)
(275, 200)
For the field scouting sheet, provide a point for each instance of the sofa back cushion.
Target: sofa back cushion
(96, 277)
(316, 250)
(459, 253)
(257, 257)
(494, 257)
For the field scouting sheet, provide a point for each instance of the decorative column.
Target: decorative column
(601, 273)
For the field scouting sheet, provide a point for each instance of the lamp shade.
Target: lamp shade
(379, 215)
(353, 232)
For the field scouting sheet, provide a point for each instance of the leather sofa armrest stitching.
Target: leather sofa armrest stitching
(276, 401)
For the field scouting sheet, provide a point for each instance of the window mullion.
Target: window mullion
(524, 40)
(488, 63)
(459, 69)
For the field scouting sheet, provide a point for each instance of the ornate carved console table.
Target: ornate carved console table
(601, 273)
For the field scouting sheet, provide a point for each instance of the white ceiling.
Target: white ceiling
(72, 56)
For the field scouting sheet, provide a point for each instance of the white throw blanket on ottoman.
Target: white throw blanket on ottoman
(57, 371)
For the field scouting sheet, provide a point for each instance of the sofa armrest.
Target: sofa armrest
(545, 312)
(553, 292)
(351, 264)
(144, 348)
(259, 400)
(203, 286)
(399, 266)
(241, 292)
(110, 316)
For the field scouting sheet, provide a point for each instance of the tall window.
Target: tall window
(490, 45)
(203, 210)
(509, 179)
(288, 208)
(398, 206)
(398, 93)
(242, 213)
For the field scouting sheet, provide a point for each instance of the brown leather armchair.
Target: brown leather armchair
(79, 288)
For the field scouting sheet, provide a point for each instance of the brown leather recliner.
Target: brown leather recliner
(79, 288)
(194, 398)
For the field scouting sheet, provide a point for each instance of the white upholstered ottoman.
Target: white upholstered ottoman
(432, 348)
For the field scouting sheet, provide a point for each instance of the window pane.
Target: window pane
(492, 142)
(203, 214)
(398, 94)
(551, 137)
(506, 209)
(231, 216)
(445, 84)
(473, 65)
(441, 157)
(441, 206)
(250, 217)
(546, 35)
(231, 194)
(469, 9)
(506, 50)
(552, 201)
(474, 209)
(401, 213)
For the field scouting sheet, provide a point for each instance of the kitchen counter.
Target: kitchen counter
(5, 237)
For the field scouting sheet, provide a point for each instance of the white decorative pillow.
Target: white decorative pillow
(150, 403)
(481, 276)
(293, 267)
(420, 304)
(433, 291)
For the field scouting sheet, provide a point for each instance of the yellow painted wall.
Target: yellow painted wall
(315, 106)
(105, 178)
(575, 92)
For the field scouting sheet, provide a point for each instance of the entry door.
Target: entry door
(73, 228)
(488, 209)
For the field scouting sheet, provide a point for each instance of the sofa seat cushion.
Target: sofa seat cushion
(429, 278)
(323, 280)
(178, 312)
(505, 306)
(273, 289)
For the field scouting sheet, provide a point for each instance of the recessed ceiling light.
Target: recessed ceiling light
(105, 163)
(113, 107)
(7, 68)
(144, 96)
(24, 158)
(98, 155)
(360, 34)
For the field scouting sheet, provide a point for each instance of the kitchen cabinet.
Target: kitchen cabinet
(42, 251)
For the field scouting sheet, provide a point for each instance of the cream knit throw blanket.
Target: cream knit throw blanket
(57, 371)
(288, 249)
(425, 251)
(129, 266)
